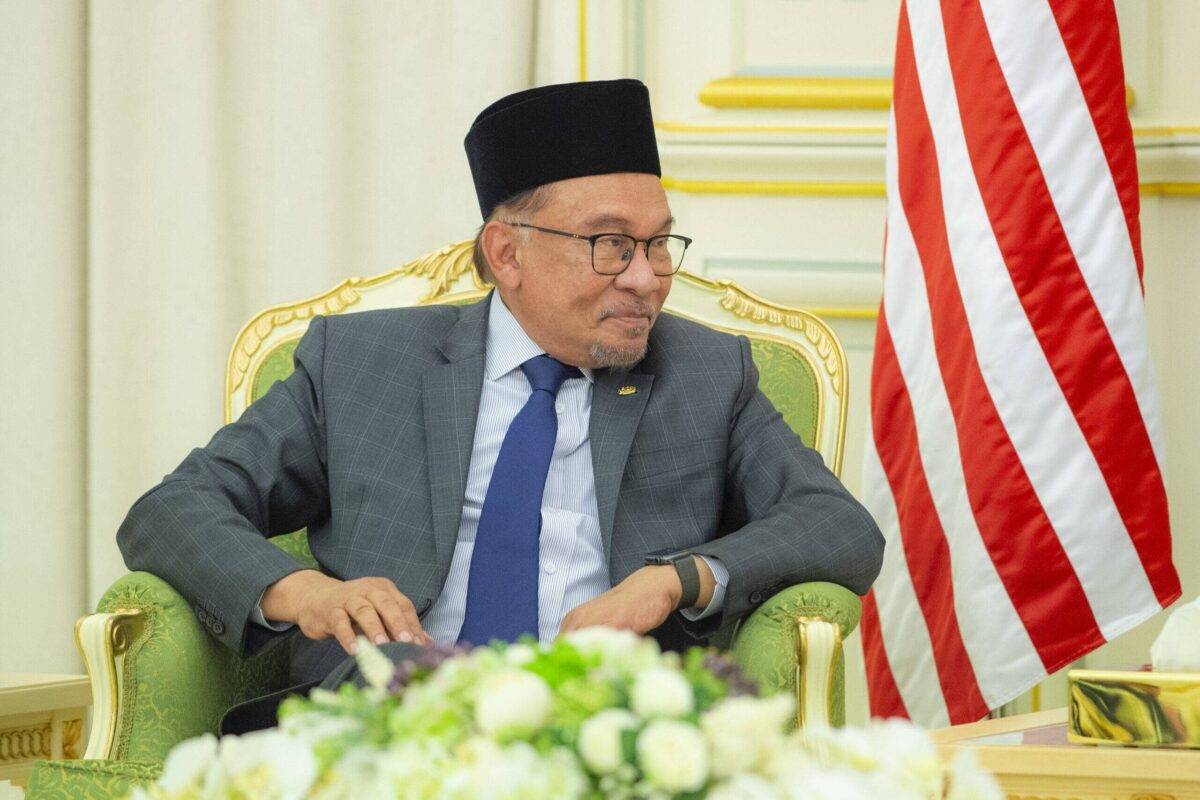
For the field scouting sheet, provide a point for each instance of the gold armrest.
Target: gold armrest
(103, 641)
(818, 651)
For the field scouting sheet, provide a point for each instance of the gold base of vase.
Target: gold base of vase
(1134, 708)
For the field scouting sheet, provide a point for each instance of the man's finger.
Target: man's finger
(419, 636)
(367, 619)
(400, 626)
(342, 631)
(414, 624)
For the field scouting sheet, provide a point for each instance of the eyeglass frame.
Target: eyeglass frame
(595, 237)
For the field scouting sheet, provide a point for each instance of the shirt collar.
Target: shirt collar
(508, 346)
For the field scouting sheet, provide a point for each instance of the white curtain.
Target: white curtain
(166, 170)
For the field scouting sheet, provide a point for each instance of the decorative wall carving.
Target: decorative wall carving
(25, 744)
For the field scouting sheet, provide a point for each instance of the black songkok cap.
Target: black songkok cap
(552, 133)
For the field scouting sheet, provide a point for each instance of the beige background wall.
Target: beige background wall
(168, 169)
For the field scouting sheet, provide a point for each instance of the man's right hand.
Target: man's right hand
(323, 606)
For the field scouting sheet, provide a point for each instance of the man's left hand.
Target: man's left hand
(641, 602)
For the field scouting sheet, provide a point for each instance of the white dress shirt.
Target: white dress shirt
(573, 567)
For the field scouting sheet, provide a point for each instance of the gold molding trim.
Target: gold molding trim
(748, 306)
(843, 94)
(701, 128)
(250, 338)
(794, 188)
(71, 738)
(442, 268)
(583, 40)
(798, 92)
(1170, 189)
(26, 743)
(1166, 130)
(844, 312)
(672, 126)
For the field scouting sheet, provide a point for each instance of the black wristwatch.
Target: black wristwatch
(685, 567)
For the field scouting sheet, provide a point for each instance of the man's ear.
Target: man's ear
(500, 248)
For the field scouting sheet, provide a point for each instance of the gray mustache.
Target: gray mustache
(639, 309)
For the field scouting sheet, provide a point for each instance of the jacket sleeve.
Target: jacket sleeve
(204, 528)
(799, 523)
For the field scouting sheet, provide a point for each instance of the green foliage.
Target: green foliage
(561, 664)
(707, 686)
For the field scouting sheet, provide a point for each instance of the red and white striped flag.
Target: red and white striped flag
(1015, 457)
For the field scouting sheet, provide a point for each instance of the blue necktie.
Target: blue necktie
(502, 590)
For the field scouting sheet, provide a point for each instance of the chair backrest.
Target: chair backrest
(801, 362)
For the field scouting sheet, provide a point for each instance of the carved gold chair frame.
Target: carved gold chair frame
(448, 275)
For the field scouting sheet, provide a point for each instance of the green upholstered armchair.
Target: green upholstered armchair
(158, 677)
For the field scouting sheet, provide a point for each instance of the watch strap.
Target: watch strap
(689, 578)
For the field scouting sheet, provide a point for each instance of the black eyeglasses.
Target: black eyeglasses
(612, 253)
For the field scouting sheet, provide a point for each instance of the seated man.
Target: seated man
(555, 456)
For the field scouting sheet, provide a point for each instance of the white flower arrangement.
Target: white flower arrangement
(598, 714)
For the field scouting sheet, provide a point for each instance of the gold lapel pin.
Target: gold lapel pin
(626, 390)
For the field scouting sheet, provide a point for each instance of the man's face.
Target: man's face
(577, 315)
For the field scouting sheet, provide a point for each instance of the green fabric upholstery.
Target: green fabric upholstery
(787, 379)
(178, 679)
(765, 644)
(296, 545)
(88, 780)
(275, 367)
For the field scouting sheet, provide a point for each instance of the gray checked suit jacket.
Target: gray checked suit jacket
(367, 444)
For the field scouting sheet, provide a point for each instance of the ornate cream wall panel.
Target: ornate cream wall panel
(836, 37)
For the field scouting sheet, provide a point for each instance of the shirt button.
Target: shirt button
(549, 568)
(560, 408)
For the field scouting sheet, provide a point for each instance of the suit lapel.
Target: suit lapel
(451, 399)
(616, 412)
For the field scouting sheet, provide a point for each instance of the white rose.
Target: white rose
(411, 768)
(519, 654)
(512, 702)
(600, 639)
(673, 756)
(600, 739)
(1177, 648)
(358, 775)
(312, 727)
(620, 651)
(267, 764)
(743, 731)
(841, 747)
(484, 769)
(744, 787)
(187, 763)
(828, 784)
(661, 692)
(907, 755)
